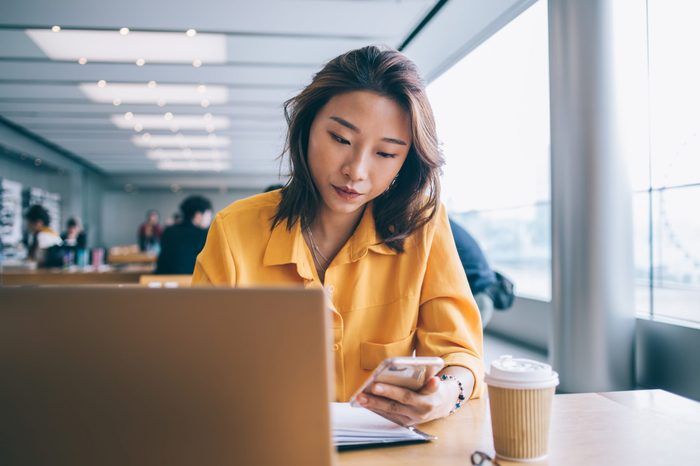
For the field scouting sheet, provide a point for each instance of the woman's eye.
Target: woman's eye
(386, 155)
(339, 139)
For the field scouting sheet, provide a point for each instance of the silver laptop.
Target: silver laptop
(203, 376)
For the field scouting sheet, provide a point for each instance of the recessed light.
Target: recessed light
(146, 136)
(152, 84)
(82, 60)
(168, 116)
(196, 62)
(193, 165)
(140, 62)
(201, 88)
(180, 154)
(56, 28)
(204, 103)
(191, 33)
(154, 47)
(124, 31)
(101, 83)
(180, 140)
(138, 127)
(116, 102)
(142, 94)
(152, 121)
(128, 115)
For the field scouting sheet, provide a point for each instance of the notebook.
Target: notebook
(356, 427)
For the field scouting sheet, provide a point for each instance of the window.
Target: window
(492, 112)
(672, 200)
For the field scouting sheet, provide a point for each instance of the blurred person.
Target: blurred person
(181, 242)
(74, 237)
(44, 243)
(150, 232)
(361, 216)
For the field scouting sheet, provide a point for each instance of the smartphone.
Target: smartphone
(407, 372)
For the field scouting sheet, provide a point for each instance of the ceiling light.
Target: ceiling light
(101, 83)
(145, 136)
(56, 28)
(191, 33)
(180, 154)
(204, 103)
(192, 165)
(161, 102)
(138, 127)
(180, 140)
(140, 62)
(82, 60)
(168, 116)
(128, 116)
(153, 47)
(201, 88)
(116, 102)
(124, 31)
(151, 84)
(141, 93)
(196, 62)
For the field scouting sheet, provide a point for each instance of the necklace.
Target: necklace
(323, 262)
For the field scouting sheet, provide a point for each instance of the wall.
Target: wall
(123, 212)
(79, 185)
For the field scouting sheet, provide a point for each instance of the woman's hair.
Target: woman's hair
(412, 199)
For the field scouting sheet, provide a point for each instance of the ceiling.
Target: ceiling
(191, 88)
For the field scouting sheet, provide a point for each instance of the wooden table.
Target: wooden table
(645, 427)
(77, 277)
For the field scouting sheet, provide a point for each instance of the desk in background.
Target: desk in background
(129, 275)
(645, 427)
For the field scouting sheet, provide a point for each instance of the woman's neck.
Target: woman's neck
(331, 231)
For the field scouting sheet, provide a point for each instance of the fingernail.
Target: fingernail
(378, 389)
(362, 399)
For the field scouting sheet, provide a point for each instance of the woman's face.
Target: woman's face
(357, 144)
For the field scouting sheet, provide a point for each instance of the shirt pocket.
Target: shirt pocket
(372, 354)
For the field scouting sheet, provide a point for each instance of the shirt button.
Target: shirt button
(336, 347)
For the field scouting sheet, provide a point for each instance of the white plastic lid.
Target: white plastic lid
(510, 372)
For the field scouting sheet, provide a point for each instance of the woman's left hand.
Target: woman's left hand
(408, 407)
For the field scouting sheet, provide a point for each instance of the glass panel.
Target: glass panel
(642, 260)
(674, 74)
(517, 243)
(676, 230)
(492, 113)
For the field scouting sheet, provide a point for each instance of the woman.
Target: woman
(360, 215)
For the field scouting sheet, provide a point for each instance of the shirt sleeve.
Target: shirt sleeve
(215, 264)
(449, 324)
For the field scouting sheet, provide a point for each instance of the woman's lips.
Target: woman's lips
(346, 194)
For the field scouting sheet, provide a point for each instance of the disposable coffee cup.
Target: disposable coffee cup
(520, 398)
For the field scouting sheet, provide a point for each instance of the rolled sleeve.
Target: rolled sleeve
(449, 324)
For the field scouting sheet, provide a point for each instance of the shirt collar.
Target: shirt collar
(288, 246)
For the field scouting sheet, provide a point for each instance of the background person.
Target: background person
(361, 216)
(182, 241)
(150, 232)
(44, 243)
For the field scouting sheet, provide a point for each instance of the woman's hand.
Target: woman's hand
(407, 407)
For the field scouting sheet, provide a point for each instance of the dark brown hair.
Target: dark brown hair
(412, 199)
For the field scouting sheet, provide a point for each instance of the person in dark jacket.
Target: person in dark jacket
(181, 242)
(479, 274)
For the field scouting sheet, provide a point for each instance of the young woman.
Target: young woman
(361, 216)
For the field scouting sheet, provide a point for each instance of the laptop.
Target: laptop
(138, 376)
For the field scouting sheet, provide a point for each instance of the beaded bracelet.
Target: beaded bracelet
(461, 397)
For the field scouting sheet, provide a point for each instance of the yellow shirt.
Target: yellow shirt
(384, 304)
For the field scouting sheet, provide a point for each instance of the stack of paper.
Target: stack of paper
(359, 426)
